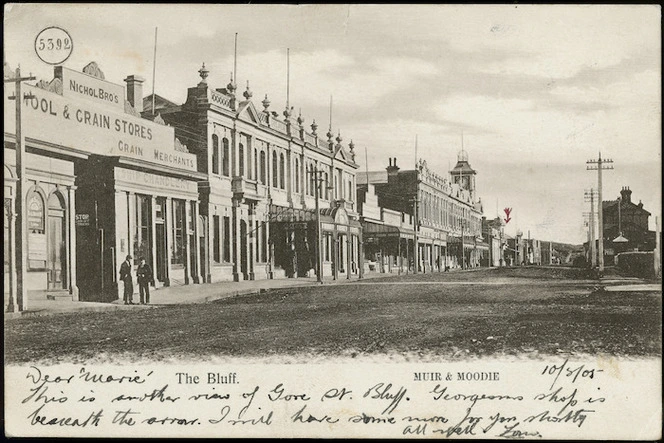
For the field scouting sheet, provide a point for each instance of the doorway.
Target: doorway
(160, 240)
(56, 254)
(243, 249)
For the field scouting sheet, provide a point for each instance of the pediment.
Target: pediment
(247, 112)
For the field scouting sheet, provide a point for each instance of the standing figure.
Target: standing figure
(125, 276)
(145, 279)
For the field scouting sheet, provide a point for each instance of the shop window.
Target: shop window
(177, 257)
(263, 165)
(142, 235)
(225, 158)
(215, 154)
(275, 179)
(227, 239)
(255, 235)
(282, 172)
(37, 252)
(216, 239)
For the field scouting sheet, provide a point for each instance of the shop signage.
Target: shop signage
(78, 85)
(80, 125)
(82, 219)
(145, 179)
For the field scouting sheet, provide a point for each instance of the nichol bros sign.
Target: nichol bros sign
(101, 130)
(79, 85)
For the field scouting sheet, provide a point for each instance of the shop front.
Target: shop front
(101, 183)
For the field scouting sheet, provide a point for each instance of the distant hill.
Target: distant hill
(566, 247)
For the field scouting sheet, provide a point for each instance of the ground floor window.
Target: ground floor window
(177, 258)
(216, 239)
(227, 239)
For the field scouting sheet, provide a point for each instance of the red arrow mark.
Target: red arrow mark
(507, 213)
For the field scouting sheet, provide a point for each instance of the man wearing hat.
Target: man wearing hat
(125, 276)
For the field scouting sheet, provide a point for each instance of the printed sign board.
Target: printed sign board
(78, 124)
(78, 85)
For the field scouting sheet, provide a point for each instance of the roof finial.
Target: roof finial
(203, 72)
(247, 94)
(300, 120)
(266, 103)
(314, 127)
(231, 86)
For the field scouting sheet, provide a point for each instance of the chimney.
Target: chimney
(135, 92)
(392, 169)
(626, 194)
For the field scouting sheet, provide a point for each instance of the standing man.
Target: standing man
(145, 279)
(125, 276)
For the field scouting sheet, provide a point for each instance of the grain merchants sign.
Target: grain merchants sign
(78, 124)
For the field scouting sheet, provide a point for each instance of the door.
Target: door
(57, 253)
(161, 271)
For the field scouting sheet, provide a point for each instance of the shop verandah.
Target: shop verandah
(293, 243)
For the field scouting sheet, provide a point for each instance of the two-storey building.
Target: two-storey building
(259, 195)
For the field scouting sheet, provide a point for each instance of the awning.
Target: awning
(377, 230)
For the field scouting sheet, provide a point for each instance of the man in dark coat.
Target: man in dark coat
(125, 276)
(145, 279)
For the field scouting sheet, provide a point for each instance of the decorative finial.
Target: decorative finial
(204, 72)
(230, 87)
(266, 103)
(330, 135)
(288, 112)
(351, 145)
(247, 94)
(339, 139)
(314, 126)
(300, 120)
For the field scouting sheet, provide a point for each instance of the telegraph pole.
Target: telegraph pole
(416, 222)
(598, 165)
(21, 246)
(590, 197)
(319, 262)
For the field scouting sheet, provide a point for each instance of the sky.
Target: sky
(533, 91)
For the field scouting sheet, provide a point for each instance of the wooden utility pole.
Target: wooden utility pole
(599, 165)
(590, 197)
(318, 178)
(21, 245)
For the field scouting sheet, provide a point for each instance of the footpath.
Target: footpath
(172, 295)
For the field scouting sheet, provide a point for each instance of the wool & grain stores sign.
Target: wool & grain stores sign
(78, 124)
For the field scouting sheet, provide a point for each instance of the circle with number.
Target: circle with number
(53, 45)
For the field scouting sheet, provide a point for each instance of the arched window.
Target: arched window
(255, 164)
(225, 158)
(240, 155)
(326, 192)
(312, 180)
(275, 179)
(297, 175)
(350, 190)
(215, 154)
(37, 244)
(282, 172)
(263, 182)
